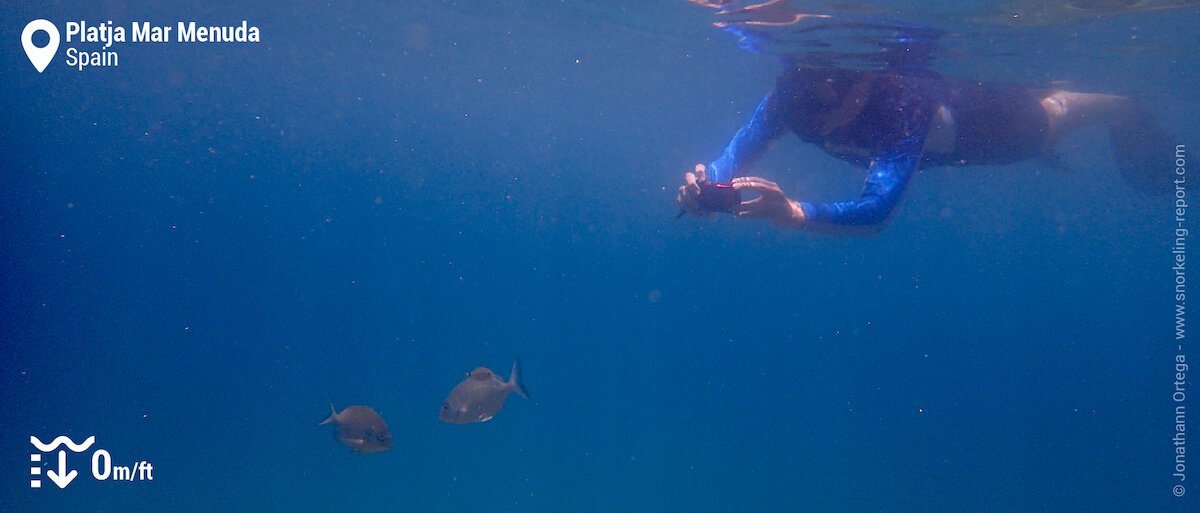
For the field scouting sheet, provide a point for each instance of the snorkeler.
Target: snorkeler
(893, 123)
(893, 118)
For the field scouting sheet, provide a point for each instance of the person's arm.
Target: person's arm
(886, 180)
(887, 177)
(746, 147)
(863, 215)
(905, 124)
(750, 142)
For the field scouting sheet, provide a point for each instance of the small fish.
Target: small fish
(361, 429)
(481, 395)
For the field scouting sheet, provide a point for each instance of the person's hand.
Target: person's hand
(689, 194)
(771, 204)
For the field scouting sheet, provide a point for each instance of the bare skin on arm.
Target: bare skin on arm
(690, 191)
(772, 204)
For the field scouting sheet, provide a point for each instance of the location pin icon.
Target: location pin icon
(40, 57)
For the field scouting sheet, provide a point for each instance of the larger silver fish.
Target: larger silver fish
(481, 395)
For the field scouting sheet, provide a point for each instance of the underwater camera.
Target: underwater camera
(718, 197)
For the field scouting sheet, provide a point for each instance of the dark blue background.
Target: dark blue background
(203, 247)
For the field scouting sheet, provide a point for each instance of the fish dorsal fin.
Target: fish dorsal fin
(481, 373)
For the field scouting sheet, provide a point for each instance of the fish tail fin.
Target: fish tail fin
(516, 381)
(332, 417)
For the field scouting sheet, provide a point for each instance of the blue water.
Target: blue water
(206, 245)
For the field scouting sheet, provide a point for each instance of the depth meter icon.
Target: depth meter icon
(61, 477)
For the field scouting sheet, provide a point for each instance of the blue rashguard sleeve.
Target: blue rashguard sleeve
(750, 142)
(886, 180)
(903, 128)
(900, 147)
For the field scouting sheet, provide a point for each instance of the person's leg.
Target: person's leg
(1139, 145)
(1068, 111)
